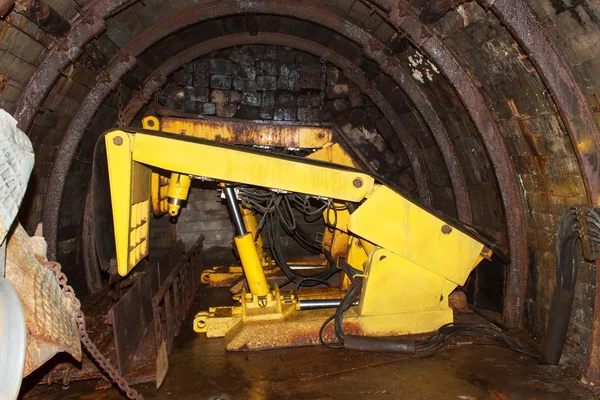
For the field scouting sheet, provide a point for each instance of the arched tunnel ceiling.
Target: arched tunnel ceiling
(483, 100)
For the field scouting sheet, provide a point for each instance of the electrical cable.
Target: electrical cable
(276, 211)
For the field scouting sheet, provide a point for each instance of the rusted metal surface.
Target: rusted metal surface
(83, 29)
(132, 319)
(237, 131)
(69, 145)
(6, 6)
(44, 16)
(432, 10)
(175, 294)
(132, 330)
(579, 121)
(405, 18)
(408, 142)
(431, 119)
(346, 65)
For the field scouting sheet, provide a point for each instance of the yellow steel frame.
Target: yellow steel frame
(225, 163)
(247, 132)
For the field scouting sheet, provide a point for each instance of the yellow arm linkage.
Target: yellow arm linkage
(136, 151)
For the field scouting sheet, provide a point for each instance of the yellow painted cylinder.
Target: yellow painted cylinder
(179, 188)
(251, 226)
(251, 264)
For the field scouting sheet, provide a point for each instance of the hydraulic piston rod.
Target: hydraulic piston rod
(244, 242)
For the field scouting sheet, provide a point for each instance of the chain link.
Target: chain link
(323, 88)
(91, 348)
(120, 116)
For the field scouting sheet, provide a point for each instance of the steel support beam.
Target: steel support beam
(350, 70)
(405, 18)
(85, 27)
(579, 121)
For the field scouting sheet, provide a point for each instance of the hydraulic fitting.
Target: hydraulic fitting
(179, 188)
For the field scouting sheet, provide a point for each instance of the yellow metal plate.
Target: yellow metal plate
(130, 197)
(231, 164)
(251, 133)
(395, 223)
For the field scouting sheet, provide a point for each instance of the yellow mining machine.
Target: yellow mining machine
(395, 260)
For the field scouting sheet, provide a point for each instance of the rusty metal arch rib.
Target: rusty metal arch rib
(87, 26)
(579, 121)
(126, 59)
(404, 18)
(158, 77)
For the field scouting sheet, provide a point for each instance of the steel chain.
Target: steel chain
(91, 348)
(323, 88)
(120, 116)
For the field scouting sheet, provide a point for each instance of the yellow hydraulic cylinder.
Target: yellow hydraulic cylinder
(179, 187)
(252, 265)
(252, 225)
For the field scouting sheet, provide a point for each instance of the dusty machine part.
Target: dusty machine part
(44, 16)
(55, 269)
(49, 319)
(171, 303)
(269, 318)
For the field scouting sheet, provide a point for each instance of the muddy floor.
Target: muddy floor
(200, 368)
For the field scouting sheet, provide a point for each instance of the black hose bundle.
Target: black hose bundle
(492, 335)
(566, 277)
(276, 210)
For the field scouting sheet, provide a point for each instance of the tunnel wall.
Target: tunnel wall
(541, 152)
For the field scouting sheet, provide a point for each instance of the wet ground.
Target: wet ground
(200, 368)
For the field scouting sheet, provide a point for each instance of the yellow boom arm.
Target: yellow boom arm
(412, 258)
(386, 218)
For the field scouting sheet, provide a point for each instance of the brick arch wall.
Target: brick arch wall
(540, 150)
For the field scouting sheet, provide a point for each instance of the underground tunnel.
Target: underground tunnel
(478, 116)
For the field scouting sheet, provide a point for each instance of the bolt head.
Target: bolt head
(357, 182)
(118, 140)
(446, 229)
(320, 136)
(150, 122)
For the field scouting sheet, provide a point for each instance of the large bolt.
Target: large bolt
(357, 182)
(118, 140)
(446, 229)
(320, 136)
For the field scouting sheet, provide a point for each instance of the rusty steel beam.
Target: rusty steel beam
(44, 16)
(70, 143)
(405, 18)
(579, 121)
(350, 70)
(376, 51)
(161, 30)
(83, 29)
